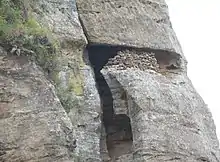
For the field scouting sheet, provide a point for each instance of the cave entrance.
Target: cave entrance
(117, 127)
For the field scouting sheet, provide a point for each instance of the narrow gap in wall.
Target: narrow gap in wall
(166, 60)
(117, 127)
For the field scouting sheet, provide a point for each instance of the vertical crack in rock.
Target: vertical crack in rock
(118, 134)
(116, 139)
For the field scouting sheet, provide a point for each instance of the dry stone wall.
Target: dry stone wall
(168, 117)
(115, 106)
(133, 59)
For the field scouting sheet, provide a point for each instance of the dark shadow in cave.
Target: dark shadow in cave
(98, 57)
(117, 127)
(100, 54)
(162, 56)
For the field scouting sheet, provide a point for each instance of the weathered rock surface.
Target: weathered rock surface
(74, 80)
(138, 23)
(170, 121)
(123, 96)
(74, 86)
(33, 124)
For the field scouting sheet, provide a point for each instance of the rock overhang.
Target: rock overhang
(120, 23)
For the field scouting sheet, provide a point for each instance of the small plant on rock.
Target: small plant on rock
(20, 31)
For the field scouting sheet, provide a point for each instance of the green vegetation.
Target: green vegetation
(70, 101)
(76, 85)
(18, 27)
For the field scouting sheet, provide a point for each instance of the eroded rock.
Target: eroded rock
(169, 119)
(33, 124)
(138, 23)
(132, 75)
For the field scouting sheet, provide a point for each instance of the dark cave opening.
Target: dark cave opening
(118, 130)
(166, 59)
(117, 127)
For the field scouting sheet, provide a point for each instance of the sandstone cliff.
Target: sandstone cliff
(97, 80)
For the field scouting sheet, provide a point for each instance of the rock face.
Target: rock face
(146, 74)
(49, 129)
(116, 89)
(129, 23)
(34, 125)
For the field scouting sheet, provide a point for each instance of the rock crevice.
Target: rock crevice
(117, 132)
(112, 86)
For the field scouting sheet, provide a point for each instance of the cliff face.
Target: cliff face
(100, 81)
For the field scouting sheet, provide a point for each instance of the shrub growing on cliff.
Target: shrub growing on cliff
(19, 28)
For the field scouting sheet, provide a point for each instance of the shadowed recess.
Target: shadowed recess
(117, 127)
(102, 52)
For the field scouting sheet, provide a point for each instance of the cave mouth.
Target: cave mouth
(117, 127)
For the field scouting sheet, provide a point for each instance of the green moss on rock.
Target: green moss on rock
(19, 28)
(69, 100)
(76, 84)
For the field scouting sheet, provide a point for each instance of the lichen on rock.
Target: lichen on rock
(90, 87)
(48, 34)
